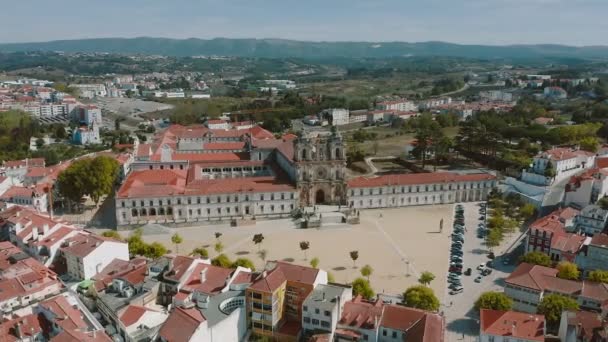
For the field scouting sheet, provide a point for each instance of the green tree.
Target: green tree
(112, 234)
(218, 247)
(549, 170)
(304, 246)
(362, 287)
(603, 202)
(527, 211)
(243, 262)
(567, 270)
(590, 144)
(39, 142)
(426, 278)
(330, 277)
(599, 276)
(536, 258)
(176, 239)
(201, 252)
(155, 250)
(354, 255)
(314, 262)
(366, 271)
(221, 260)
(421, 297)
(258, 239)
(494, 301)
(552, 306)
(494, 238)
(103, 172)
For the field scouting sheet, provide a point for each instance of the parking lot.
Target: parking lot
(462, 320)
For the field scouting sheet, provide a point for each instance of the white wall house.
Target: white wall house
(87, 254)
(592, 220)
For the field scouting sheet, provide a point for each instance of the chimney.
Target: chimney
(18, 331)
(203, 275)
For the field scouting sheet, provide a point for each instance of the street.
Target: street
(462, 320)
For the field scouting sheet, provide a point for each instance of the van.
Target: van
(457, 290)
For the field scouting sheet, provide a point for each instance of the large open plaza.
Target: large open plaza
(398, 244)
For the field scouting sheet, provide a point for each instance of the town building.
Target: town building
(592, 220)
(87, 254)
(17, 169)
(582, 326)
(274, 299)
(402, 105)
(496, 95)
(338, 116)
(90, 91)
(218, 124)
(557, 164)
(418, 189)
(504, 326)
(594, 255)
(527, 285)
(24, 280)
(549, 235)
(588, 186)
(34, 197)
(557, 93)
(323, 308)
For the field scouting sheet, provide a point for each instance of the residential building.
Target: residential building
(274, 299)
(557, 93)
(557, 164)
(17, 169)
(592, 220)
(594, 255)
(87, 254)
(90, 91)
(218, 124)
(587, 187)
(418, 189)
(505, 326)
(582, 326)
(496, 95)
(338, 116)
(529, 283)
(549, 235)
(34, 197)
(323, 308)
(86, 135)
(24, 280)
(403, 105)
(89, 115)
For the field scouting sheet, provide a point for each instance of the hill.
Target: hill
(280, 48)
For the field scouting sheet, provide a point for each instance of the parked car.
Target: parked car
(486, 272)
(491, 255)
(456, 291)
(481, 266)
(468, 272)
(478, 279)
(482, 218)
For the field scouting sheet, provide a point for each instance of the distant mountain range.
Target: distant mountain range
(281, 48)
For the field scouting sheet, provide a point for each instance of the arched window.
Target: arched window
(144, 212)
(161, 211)
(304, 154)
(338, 154)
(152, 212)
(134, 212)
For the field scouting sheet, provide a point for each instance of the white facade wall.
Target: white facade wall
(22, 301)
(524, 299)
(339, 116)
(582, 195)
(205, 208)
(231, 328)
(94, 262)
(420, 194)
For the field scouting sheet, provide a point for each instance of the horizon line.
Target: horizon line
(309, 41)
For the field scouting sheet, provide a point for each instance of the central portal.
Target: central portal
(320, 197)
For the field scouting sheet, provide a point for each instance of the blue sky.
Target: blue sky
(496, 22)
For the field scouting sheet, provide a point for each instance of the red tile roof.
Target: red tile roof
(531, 276)
(418, 178)
(83, 244)
(67, 317)
(178, 267)
(215, 279)
(601, 162)
(591, 326)
(31, 325)
(79, 336)
(281, 272)
(516, 325)
(600, 240)
(361, 314)
(131, 271)
(132, 314)
(181, 324)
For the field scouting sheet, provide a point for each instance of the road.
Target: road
(372, 167)
(462, 320)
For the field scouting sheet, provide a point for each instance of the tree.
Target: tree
(527, 211)
(263, 254)
(176, 239)
(603, 202)
(330, 277)
(314, 262)
(155, 250)
(366, 271)
(494, 301)
(243, 262)
(218, 235)
(567, 270)
(549, 170)
(94, 177)
(201, 252)
(39, 142)
(304, 246)
(257, 239)
(421, 297)
(536, 258)
(221, 260)
(354, 255)
(494, 238)
(362, 287)
(599, 276)
(552, 306)
(589, 143)
(219, 247)
(426, 278)
(112, 234)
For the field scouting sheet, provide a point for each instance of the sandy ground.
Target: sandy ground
(402, 241)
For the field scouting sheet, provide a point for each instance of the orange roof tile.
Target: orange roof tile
(516, 325)
(417, 178)
(181, 324)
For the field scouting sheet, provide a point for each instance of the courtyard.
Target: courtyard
(397, 243)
